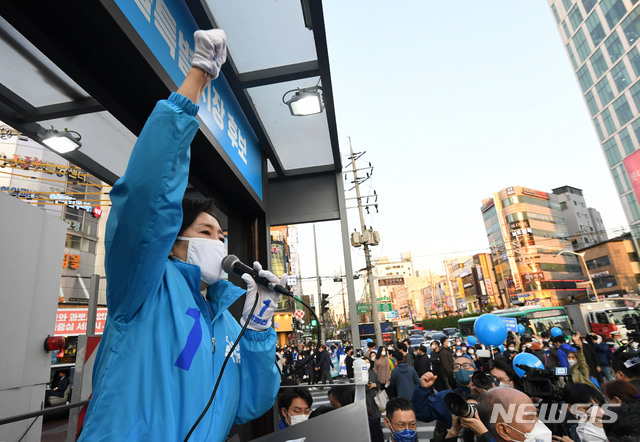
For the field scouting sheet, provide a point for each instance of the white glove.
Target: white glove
(210, 51)
(267, 299)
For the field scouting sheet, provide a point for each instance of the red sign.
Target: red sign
(97, 212)
(536, 193)
(383, 282)
(632, 166)
(73, 321)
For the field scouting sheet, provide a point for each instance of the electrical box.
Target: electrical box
(371, 238)
(356, 239)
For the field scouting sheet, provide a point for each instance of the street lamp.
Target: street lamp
(581, 255)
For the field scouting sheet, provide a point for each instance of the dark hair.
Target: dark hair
(398, 403)
(624, 426)
(502, 364)
(322, 409)
(402, 346)
(288, 395)
(444, 338)
(618, 364)
(623, 390)
(398, 355)
(343, 394)
(422, 348)
(558, 340)
(192, 207)
(371, 344)
(579, 393)
(382, 347)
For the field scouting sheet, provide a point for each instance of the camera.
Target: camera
(541, 384)
(458, 406)
(484, 380)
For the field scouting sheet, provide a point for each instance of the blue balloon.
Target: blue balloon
(369, 340)
(471, 340)
(490, 330)
(521, 328)
(501, 348)
(555, 331)
(527, 359)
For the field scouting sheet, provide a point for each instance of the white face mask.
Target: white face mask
(208, 254)
(471, 351)
(591, 432)
(512, 349)
(298, 418)
(539, 433)
(572, 362)
(502, 384)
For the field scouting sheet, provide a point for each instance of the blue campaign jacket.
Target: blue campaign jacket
(156, 365)
(430, 406)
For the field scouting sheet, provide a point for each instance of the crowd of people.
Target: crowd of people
(598, 384)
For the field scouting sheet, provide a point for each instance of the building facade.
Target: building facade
(613, 266)
(526, 230)
(601, 37)
(582, 228)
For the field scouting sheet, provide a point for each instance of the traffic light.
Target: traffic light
(324, 304)
(313, 323)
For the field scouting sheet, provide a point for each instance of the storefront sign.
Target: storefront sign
(73, 321)
(532, 276)
(71, 261)
(519, 224)
(632, 166)
(600, 275)
(383, 282)
(167, 27)
(535, 193)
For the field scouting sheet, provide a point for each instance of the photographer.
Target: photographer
(626, 367)
(470, 428)
(509, 415)
(505, 374)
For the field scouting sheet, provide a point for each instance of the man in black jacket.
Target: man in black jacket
(348, 362)
(421, 363)
(324, 364)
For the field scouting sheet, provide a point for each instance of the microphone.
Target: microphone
(232, 264)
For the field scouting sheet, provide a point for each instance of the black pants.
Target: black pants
(326, 375)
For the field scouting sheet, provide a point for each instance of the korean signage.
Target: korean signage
(363, 308)
(167, 27)
(393, 314)
(532, 276)
(71, 261)
(74, 203)
(519, 224)
(632, 166)
(36, 165)
(511, 323)
(384, 307)
(536, 193)
(600, 275)
(510, 191)
(73, 321)
(487, 205)
(383, 282)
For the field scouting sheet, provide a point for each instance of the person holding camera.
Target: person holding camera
(469, 427)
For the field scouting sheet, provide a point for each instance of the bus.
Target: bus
(535, 320)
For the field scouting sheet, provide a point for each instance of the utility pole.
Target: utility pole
(344, 306)
(454, 304)
(319, 298)
(367, 254)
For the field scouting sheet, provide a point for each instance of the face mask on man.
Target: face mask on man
(406, 435)
(298, 418)
(539, 433)
(591, 432)
(463, 376)
(207, 254)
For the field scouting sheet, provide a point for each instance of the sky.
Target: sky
(452, 101)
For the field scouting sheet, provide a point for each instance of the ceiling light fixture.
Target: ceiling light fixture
(306, 101)
(60, 141)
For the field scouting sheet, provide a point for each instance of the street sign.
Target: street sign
(363, 308)
(384, 307)
(511, 323)
(393, 314)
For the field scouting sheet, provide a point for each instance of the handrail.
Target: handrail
(43, 412)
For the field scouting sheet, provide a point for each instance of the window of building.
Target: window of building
(572, 57)
(595, 28)
(575, 16)
(612, 152)
(567, 4)
(591, 102)
(634, 60)
(599, 63)
(613, 11)
(618, 180)
(633, 206)
(607, 119)
(626, 141)
(588, 5)
(614, 47)
(623, 110)
(604, 91)
(584, 77)
(575, 203)
(605, 283)
(598, 128)
(631, 26)
(635, 94)
(620, 76)
(567, 32)
(602, 261)
(555, 13)
(582, 45)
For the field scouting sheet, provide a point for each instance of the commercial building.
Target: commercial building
(601, 39)
(526, 230)
(584, 224)
(613, 266)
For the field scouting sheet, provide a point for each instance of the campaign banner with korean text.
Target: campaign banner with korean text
(632, 167)
(167, 27)
(73, 321)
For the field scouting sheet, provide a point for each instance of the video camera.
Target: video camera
(540, 383)
(458, 406)
(484, 380)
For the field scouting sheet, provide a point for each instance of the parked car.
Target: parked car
(416, 340)
(450, 331)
